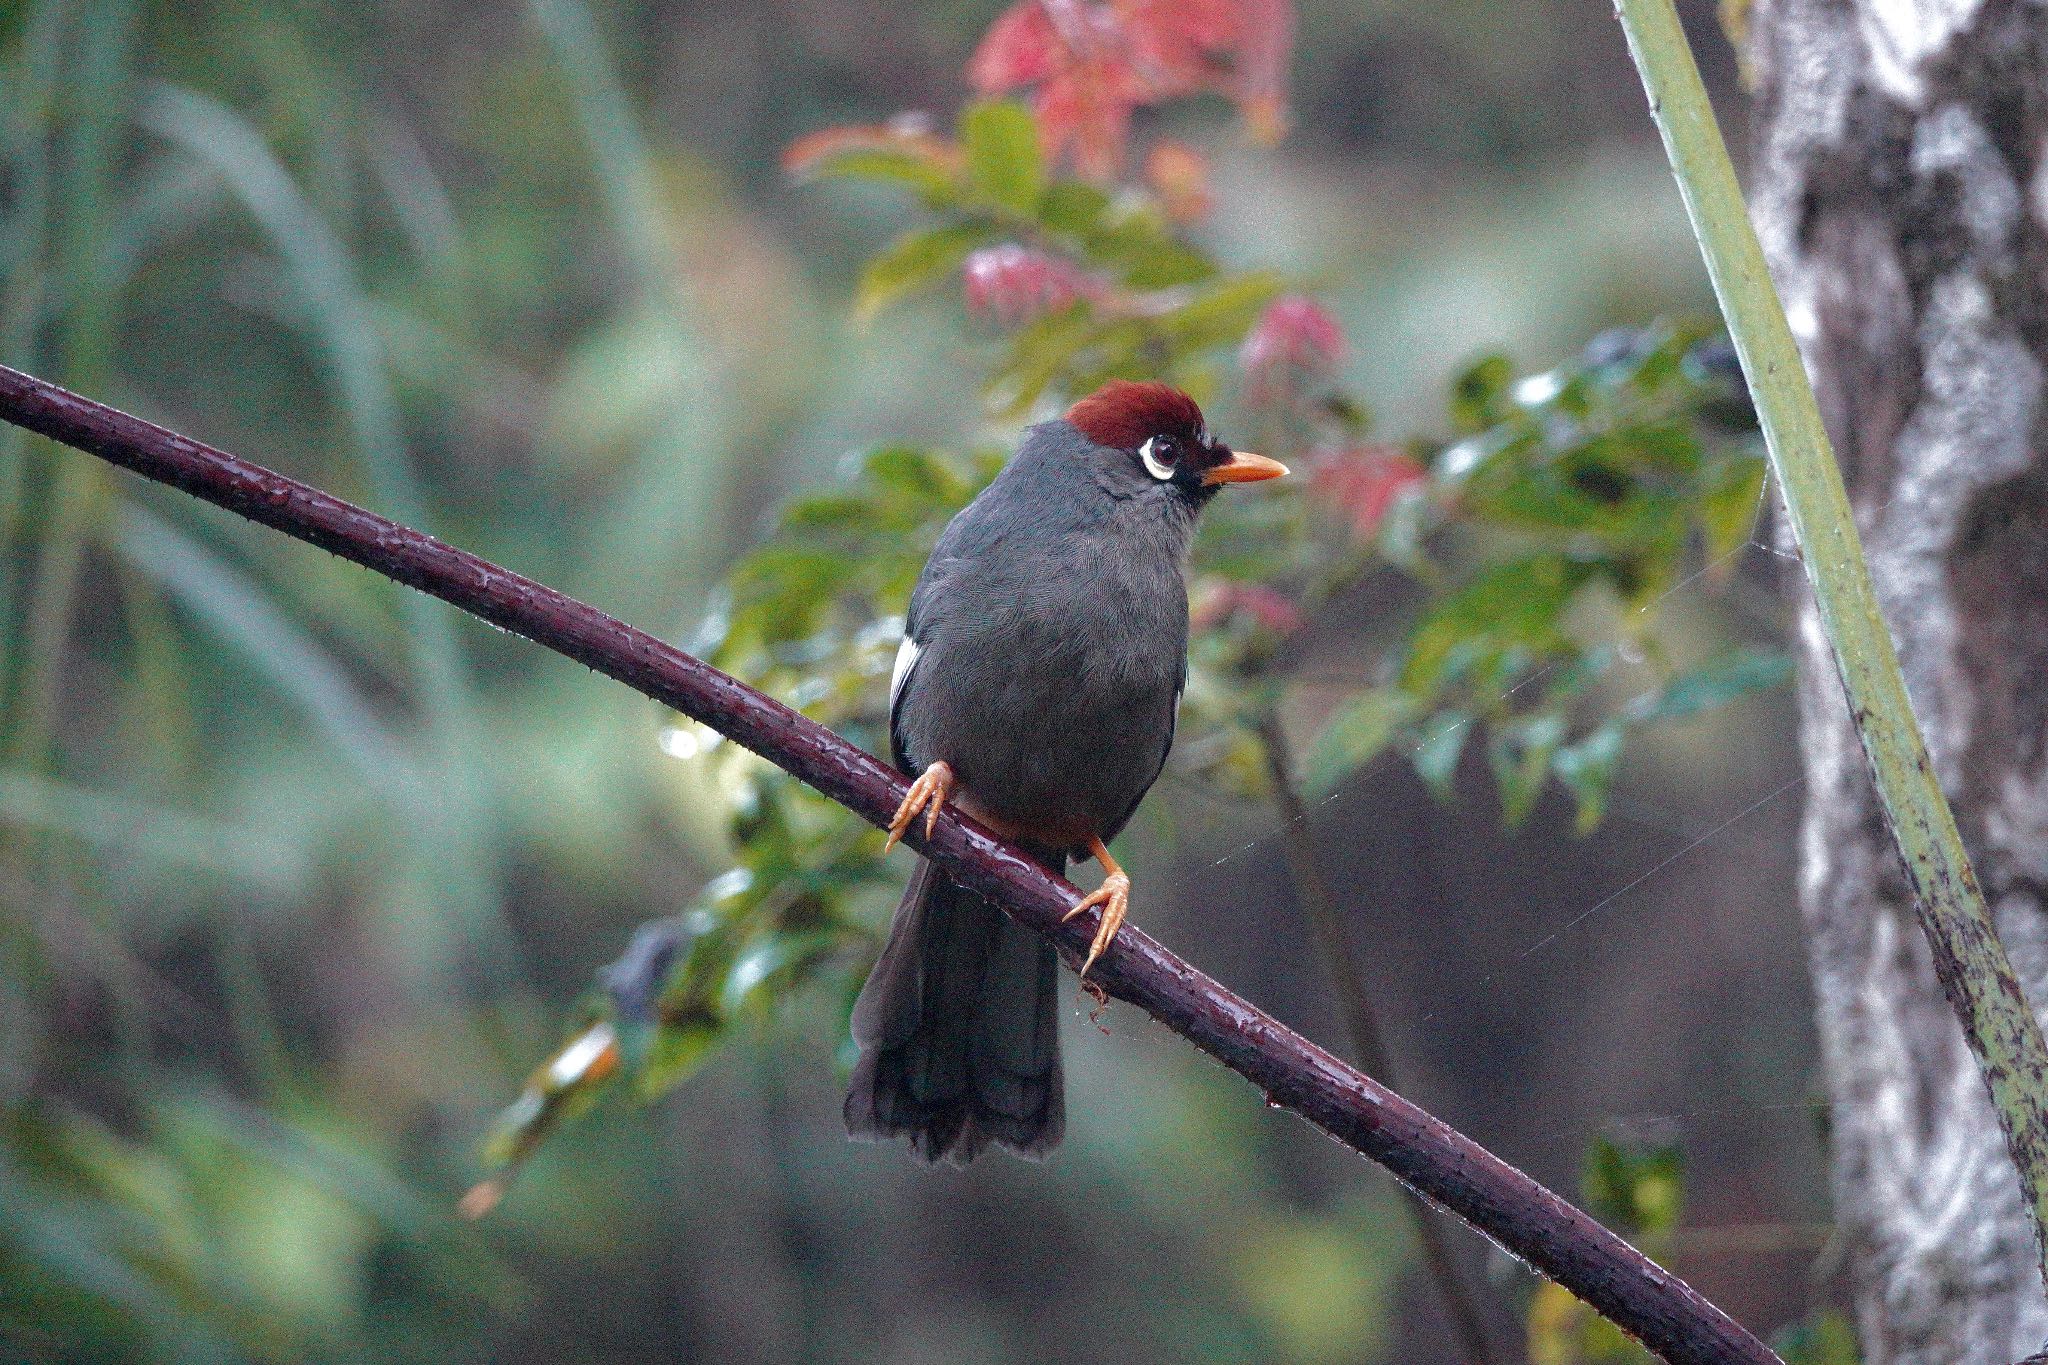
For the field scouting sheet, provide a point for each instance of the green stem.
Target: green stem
(1318, 903)
(1968, 956)
(662, 528)
(24, 264)
(94, 119)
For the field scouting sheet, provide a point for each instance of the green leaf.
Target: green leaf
(1168, 266)
(830, 512)
(766, 969)
(679, 1046)
(1670, 444)
(1355, 735)
(1586, 768)
(913, 260)
(1479, 395)
(1826, 1339)
(1512, 605)
(919, 171)
(1003, 156)
(1222, 313)
(781, 591)
(1519, 754)
(1715, 683)
(1643, 567)
(1580, 496)
(1728, 504)
(915, 475)
(1040, 353)
(562, 1087)
(1073, 207)
(1139, 247)
(1637, 1189)
(1436, 759)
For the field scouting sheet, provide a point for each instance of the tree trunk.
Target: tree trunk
(1901, 191)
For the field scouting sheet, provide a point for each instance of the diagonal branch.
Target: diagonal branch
(1444, 1165)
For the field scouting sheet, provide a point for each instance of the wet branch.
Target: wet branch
(1447, 1167)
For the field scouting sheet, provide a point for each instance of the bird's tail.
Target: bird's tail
(958, 1028)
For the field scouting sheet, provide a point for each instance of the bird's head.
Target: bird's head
(1156, 437)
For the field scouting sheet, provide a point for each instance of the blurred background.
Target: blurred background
(301, 873)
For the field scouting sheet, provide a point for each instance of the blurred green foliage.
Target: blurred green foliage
(1827, 1339)
(1637, 1187)
(207, 732)
(990, 184)
(297, 869)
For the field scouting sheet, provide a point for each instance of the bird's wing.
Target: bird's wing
(971, 532)
(1172, 725)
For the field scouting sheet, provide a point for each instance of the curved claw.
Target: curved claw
(1114, 896)
(929, 794)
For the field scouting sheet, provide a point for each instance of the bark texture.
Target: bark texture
(1901, 191)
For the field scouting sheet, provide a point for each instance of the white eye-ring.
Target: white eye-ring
(1160, 470)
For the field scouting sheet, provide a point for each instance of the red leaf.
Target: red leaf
(1181, 45)
(1364, 481)
(1018, 49)
(1093, 62)
(1258, 82)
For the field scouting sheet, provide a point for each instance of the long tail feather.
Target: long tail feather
(958, 1028)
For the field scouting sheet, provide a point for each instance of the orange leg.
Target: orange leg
(930, 792)
(1114, 896)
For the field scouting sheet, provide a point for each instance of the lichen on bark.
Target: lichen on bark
(1900, 192)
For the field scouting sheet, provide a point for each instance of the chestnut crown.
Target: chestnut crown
(1163, 429)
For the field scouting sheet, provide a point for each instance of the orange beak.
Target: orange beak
(1244, 467)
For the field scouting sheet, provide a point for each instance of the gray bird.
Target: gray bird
(1036, 688)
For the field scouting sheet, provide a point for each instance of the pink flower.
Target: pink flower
(1013, 284)
(1364, 481)
(1294, 342)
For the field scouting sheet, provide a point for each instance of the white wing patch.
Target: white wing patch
(906, 655)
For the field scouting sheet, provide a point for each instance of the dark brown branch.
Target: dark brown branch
(1547, 1233)
(1319, 906)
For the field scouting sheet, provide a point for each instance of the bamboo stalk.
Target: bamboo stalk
(1969, 959)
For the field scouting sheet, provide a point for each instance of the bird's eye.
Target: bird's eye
(1160, 455)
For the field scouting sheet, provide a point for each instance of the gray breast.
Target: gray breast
(1050, 650)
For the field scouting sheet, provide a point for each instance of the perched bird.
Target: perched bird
(1036, 688)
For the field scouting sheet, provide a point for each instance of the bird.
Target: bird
(1036, 689)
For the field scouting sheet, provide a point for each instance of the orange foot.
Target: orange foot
(928, 794)
(1114, 896)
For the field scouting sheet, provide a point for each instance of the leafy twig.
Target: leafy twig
(1969, 959)
(1552, 1236)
